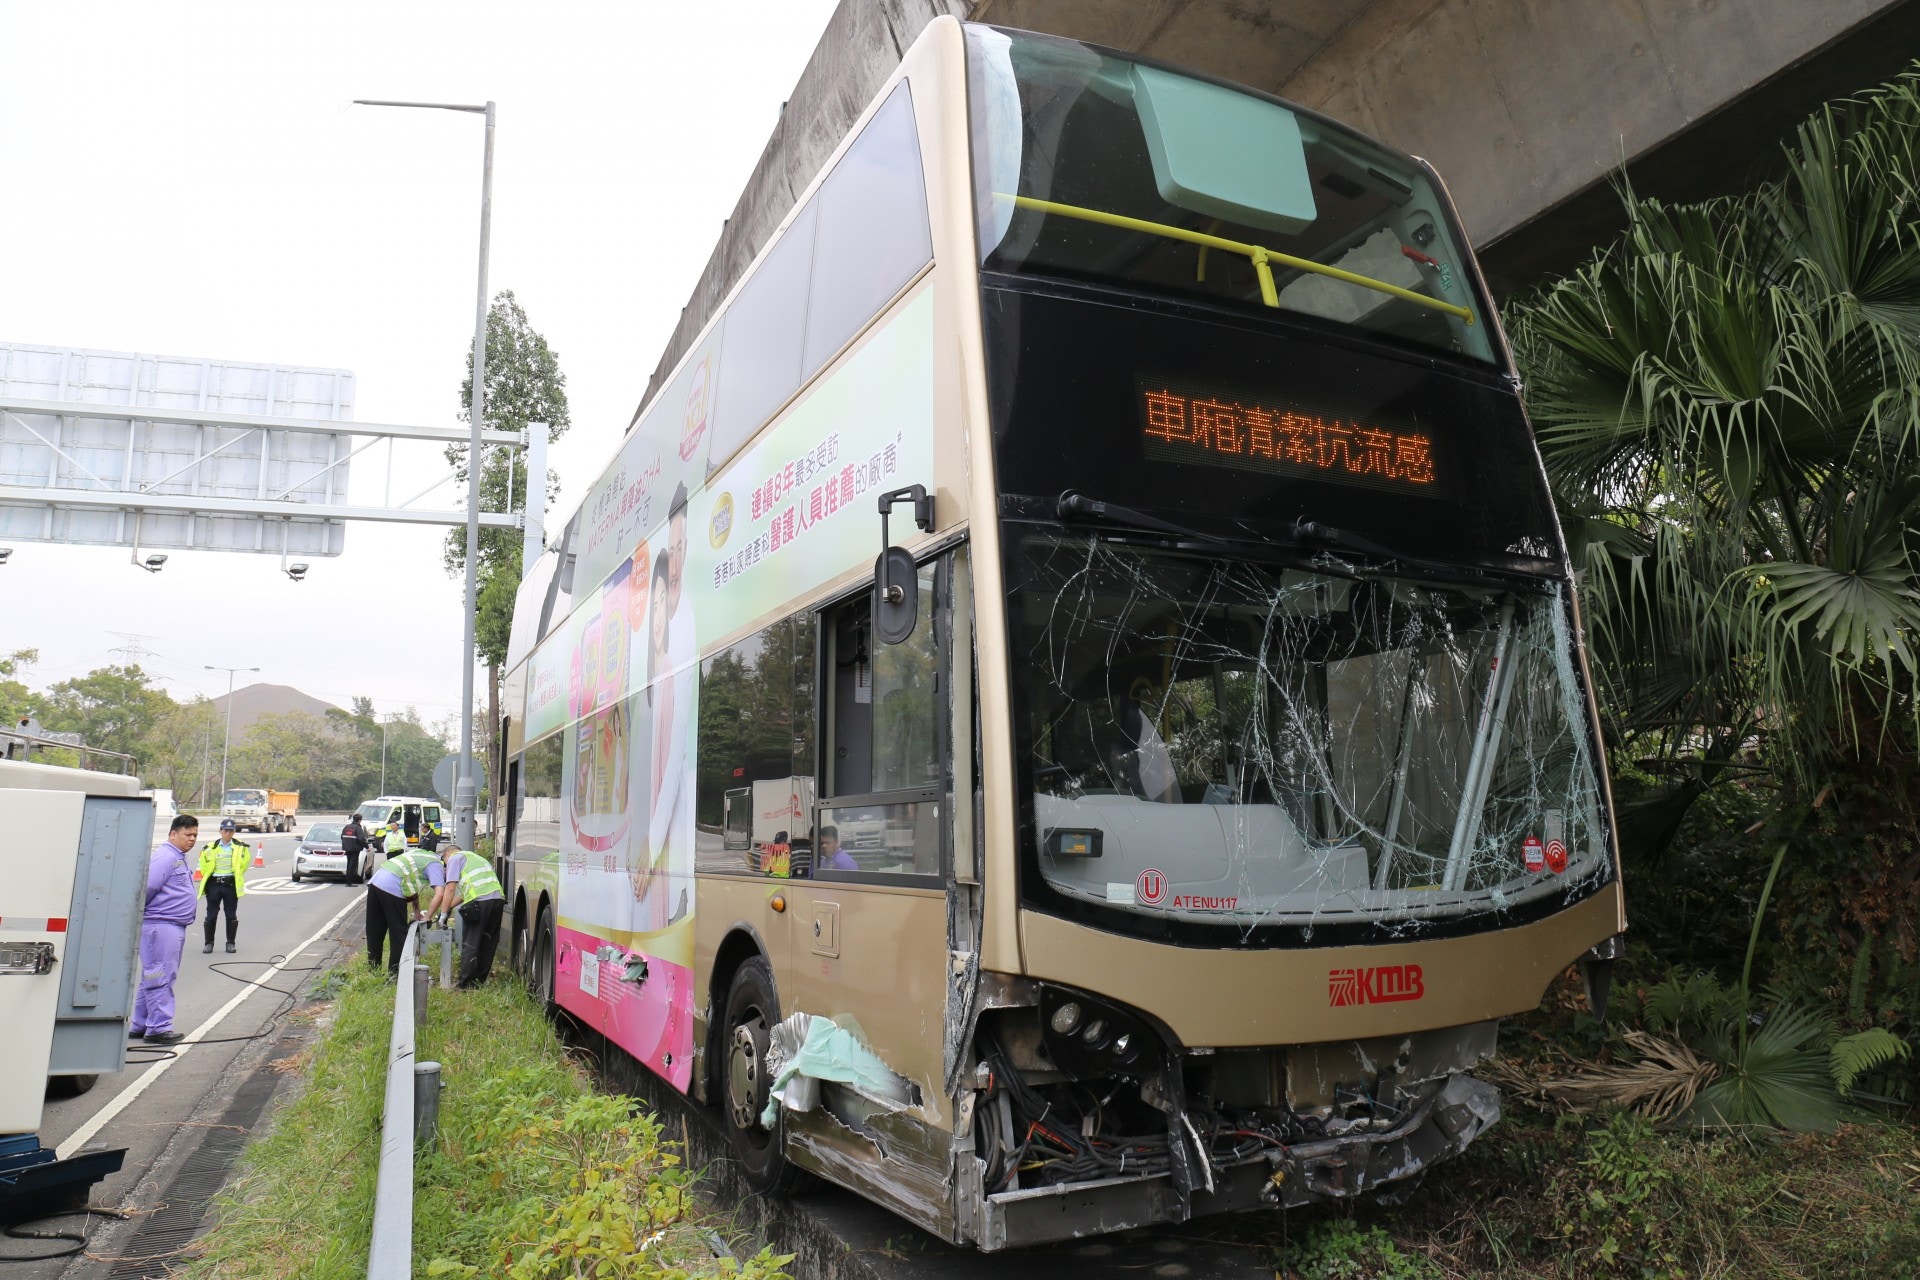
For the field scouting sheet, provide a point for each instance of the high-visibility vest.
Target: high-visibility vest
(396, 839)
(411, 867)
(475, 876)
(242, 856)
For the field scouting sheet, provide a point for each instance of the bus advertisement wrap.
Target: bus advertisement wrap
(622, 673)
(626, 834)
(799, 505)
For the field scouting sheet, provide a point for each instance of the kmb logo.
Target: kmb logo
(1378, 984)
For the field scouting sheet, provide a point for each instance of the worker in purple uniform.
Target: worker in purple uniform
(171, 907)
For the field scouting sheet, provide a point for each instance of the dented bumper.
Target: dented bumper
(1372, 1162)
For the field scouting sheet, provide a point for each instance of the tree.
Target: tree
(181, 751)
(111, 708)
(524, 385)
(15, 697)
(1728, 399)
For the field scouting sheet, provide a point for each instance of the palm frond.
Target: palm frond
(1780, 1077)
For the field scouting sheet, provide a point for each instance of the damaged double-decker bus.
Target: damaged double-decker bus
(1162, 824)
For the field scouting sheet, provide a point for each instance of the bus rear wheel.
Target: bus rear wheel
(517, 958)
(752, 1010)
(539, 968)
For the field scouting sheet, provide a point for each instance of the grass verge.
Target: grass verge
(1613, 1194)
(534, 1175)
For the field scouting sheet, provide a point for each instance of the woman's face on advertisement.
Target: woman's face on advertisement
(659, 622)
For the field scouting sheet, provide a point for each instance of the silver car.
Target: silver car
(319, 852)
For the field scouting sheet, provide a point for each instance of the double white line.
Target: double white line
(124, 1099)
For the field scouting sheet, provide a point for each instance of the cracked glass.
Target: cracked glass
(1219, 741)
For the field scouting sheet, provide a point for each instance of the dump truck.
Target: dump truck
(260, 809)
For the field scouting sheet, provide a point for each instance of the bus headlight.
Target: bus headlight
(1087, 1037)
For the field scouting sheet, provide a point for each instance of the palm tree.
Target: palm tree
(1728, 400)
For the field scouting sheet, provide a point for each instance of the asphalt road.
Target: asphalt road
(160, 1105)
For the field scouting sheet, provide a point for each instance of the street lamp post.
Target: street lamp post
(463, 785)
(384, 726)
(227, 741)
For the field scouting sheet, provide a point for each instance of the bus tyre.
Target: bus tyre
(752, 1011)
(540, 962)
(517, 941)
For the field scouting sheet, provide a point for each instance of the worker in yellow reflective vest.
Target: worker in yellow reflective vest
(223, 880)
(471, 885)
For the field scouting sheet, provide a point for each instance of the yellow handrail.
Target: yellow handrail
(1259, 255)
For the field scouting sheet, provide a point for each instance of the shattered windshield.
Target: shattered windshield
(1214, 741)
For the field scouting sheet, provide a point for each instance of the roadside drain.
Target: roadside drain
(158, 1246)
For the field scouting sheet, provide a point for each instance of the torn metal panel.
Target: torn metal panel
(1315, 1073)
(804, 1051)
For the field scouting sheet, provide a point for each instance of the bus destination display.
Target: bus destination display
(1223, 431)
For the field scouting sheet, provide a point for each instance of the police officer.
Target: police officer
(353, 842)
(223, 880)
(471, 883)
(396, 842)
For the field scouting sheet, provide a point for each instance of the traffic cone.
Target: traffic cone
(260, 856)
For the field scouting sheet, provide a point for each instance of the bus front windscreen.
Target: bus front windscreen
(1095, 167)
(1217, 749)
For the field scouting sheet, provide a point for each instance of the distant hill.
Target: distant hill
(256, 700)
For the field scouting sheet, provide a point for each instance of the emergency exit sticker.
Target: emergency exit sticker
(1532, 854)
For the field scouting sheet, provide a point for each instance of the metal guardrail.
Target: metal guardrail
(20, 742)
(412, 1105)
(390, 1256)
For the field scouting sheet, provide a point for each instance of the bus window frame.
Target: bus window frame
(941, 556)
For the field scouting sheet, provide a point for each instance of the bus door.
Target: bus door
(869, 940)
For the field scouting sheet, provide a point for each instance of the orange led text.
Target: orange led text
(1232, 432)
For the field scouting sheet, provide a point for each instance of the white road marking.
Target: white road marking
(280, 884)
(122, 1100)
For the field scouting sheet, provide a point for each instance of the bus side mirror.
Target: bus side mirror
(896, 579)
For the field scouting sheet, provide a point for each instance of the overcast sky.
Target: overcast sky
(189, 179)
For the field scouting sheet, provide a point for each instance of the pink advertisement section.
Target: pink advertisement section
(642, 1003)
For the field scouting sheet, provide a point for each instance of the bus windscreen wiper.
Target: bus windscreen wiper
(1312, 533)
(1075, 504)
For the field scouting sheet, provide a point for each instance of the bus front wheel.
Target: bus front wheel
(752, 1011)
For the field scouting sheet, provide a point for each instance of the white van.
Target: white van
(414, 814)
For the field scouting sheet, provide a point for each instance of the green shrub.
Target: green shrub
(1339, 1250)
